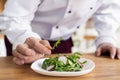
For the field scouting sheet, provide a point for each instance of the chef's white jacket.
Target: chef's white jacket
(52, 19)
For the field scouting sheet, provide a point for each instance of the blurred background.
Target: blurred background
(83, 38)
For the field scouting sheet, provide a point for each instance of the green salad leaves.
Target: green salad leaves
(64, 63)
(57, 43)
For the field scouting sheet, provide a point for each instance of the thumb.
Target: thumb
(98, 51)
(113, 52)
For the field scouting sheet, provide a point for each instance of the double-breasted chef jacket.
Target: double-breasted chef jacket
(52, 19)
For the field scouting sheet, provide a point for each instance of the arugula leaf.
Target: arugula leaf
(57, 43)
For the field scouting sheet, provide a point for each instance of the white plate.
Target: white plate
(88, 67)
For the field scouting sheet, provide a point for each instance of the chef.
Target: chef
(32, 27)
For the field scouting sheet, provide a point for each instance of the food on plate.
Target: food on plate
(69, 63)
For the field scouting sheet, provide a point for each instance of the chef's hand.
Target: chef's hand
(31, 50)
(107, 48)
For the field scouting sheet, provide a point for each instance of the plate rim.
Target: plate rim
(56, 73)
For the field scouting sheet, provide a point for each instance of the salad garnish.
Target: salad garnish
(57, 43)
(69, 63)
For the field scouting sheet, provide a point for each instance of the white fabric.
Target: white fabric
(39, 18)
(2, 48)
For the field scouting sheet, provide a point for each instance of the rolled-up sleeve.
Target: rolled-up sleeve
(15, 20)
(107, 21)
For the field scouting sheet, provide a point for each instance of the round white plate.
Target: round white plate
(88, 67)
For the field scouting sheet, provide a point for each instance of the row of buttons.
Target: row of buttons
(68, 12)
(71, 12)
(58, 27)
